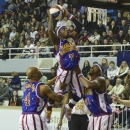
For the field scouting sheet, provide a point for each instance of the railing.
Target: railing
(37, 52)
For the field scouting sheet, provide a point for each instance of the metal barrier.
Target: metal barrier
(37, 50)
(121, 117)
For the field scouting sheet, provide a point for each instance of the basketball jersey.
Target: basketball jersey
(32, 102)
(98, 103)
(67, 55)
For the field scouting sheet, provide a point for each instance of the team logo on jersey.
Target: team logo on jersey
(86, 101)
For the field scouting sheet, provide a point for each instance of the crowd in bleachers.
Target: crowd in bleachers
(25, 24)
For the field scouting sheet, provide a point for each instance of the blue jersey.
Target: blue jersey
(32, 102)
(98, 103)
(67, 55)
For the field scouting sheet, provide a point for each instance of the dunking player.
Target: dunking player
(34, 100)
(97, 101)
(68, 58)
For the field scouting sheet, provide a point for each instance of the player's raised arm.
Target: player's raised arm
(45, 90)
(51, 82)
(78, 25)
(52, 35)
(98, 82)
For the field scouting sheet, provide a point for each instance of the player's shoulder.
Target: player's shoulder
(100, 78)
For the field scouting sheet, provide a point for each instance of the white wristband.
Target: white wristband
(80, 75)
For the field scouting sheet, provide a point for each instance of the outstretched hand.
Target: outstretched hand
(115, 98)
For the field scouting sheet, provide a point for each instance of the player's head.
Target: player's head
(62, 32)
(96, 70)
(34, 73)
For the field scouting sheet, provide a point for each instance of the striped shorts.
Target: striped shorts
(68, 77)
(32, 122)
(100, 122)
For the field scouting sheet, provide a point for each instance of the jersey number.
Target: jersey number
(71, 56)
(27, 100)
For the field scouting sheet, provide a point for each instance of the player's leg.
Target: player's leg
(77, 93)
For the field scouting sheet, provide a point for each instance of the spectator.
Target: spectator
(109, 86)
(125, 42)
(87, 48)
(128, 19)
(114, 27)
(127, 37)
(12, 5)
(124, 27)
(86, 68)
(53, 73)
(100, 27)
(29, 48)
(79, 16)
(15, 83)
(120, 36)
(127, 78)
(123, 69)
(45, 39)
(96, 48)
(115, 48)
(117, 89)
(105, 66)
(41, 31)
(6, 25)
(126, 91)
(4, 89)
(66, 22)
(94, 37)
(33, 32)
(43, 51)
(15, 100)
(119, 19)
(13, 33)
(85, 36)
(111, 36)
(112, 71)
(105, 48)
(104, 36)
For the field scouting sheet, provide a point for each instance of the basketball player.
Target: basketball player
(34, 100)
(79, 118)
(67, 55)
(97, 101)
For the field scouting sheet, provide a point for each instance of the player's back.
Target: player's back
(98, 103)
(32, 102)
(67, 55)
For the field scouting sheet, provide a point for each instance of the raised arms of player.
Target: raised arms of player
(78, 25)
(51, 82)
(45, 90)
(52, 35)
(99, 82)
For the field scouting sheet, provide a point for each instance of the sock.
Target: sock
(50, 104)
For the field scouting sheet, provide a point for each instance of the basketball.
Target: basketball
(56, 11)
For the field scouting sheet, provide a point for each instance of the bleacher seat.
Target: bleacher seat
(5, 103)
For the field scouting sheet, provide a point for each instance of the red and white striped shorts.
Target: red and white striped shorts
(68, 77)
(100, 122)
(32, 122)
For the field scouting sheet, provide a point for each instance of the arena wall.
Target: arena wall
(21, 65)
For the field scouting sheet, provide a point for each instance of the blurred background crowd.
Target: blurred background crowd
(25, 25)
